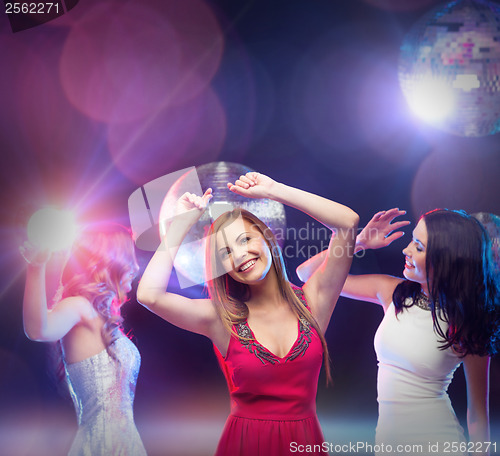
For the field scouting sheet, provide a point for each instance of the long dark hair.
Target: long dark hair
(229, 296)
(463, 290)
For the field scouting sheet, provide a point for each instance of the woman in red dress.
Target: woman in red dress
(268, 335)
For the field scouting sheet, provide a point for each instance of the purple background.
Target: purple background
(114, 94)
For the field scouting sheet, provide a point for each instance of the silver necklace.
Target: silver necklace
(423, 302)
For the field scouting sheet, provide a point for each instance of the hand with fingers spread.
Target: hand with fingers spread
(378, 232)
(253, 185)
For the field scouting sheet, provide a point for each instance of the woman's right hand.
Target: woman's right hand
(190, 201)
(190, 207)
(34, 256)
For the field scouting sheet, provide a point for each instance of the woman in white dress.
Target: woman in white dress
(443, 313)
(101, 364)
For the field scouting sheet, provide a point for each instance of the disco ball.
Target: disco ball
(190, 258)
(449, 68)
(491, 223)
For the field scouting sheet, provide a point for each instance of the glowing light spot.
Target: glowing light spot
(124, 61)
(52, 229)
(431, 99)
(466, 82)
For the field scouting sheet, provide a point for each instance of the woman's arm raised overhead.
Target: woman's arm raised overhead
(41, 324)
(196, 315)
(323, 289)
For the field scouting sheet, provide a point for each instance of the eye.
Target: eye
(224, 254)
(245, 240)
(418, 246)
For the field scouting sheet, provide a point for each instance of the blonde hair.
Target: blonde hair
(100, 262)
(229, 296)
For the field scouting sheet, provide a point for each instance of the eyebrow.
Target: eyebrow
(245, 233)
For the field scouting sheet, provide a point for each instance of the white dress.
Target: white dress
(413, 377)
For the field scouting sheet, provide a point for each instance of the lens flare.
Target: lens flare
(52, 229)
(431, 99)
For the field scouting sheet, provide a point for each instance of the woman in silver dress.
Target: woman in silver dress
(100, 362)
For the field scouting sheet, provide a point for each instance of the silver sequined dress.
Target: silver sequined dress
(103, 393)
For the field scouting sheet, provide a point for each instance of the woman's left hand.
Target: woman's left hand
(378, 232)
(253, 185)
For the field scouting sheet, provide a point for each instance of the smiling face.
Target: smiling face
(415, 254)
(243, 251)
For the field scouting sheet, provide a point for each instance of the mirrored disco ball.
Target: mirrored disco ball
(449, 68)
(491, 223)
(190, 259)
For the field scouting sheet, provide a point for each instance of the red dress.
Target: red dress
(273, 400)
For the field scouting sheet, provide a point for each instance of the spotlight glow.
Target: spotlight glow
(52, 229)
(431, 99)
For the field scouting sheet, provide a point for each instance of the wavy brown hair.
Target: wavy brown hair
(101, 262)
(229, 296)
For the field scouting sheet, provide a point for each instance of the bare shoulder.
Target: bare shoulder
(387, 286)
(77, 304)
(389, 283)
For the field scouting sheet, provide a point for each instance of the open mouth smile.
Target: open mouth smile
(408, 264)
(247, 265)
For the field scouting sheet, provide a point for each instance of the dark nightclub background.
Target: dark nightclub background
(114, 94)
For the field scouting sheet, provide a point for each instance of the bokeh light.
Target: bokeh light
(125, 60)
(458, 174)
(172, 139)
(450, 67)
(52, 229)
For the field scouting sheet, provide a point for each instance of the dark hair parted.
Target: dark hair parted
(463, 290)
(229, 296)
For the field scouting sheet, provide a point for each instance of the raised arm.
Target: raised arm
(378, 233)
(40, 324)
(323, 288)
(476, 370)
(196, 315)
